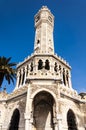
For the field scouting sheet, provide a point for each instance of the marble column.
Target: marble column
(59, 120)
(55, 123)
(28, 111)
(70, 83)
(17, 83)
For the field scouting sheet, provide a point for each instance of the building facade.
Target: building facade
(43, 98)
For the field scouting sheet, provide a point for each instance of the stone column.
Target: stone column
(52, 66)
(17, 83)
(28, 111)
(55, 123)
(28, 121)
(59, 120)
(35, 65)
(70, 84)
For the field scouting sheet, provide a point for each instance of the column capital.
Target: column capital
(55, 120)
(59, 117)
(27, 116)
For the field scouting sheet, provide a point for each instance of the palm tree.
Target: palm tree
(7, 70)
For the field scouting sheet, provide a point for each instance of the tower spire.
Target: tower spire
(44, 24)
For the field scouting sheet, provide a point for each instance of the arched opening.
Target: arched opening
(23, 77)
(64, 80)
(27, 69)
(19, 78)
(44, 109)
(31, 69)
(14, 124)
(67, 78)
(71, 120)
(40, 65)
(47, 66)
(55, 67)
(60, 69)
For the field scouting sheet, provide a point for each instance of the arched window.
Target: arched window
(19, 78)
(27, 70)
(40, 65)
(14, 124)
(67, 77)
(38, 41)
(31, 66)
(47, 66)
(64, 80)
(71, 120)
(23, 76)
(60, 68)
(55, 67)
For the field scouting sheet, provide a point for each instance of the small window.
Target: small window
(47, 66)
(23, 77)
(59, 67)
(55, 67)
(31, 67)
(27, 70)
(67, 77)
(19, 78)
(40, 65)
(38, 41)
(64, 80)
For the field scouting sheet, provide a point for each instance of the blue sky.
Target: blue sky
(17, 33)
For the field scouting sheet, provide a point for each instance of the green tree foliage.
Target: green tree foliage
(7, 70)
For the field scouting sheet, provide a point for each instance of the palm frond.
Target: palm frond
(7, 70)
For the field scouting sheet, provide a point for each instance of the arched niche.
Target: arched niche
(43, 111)
(14, 123)
(71, 120)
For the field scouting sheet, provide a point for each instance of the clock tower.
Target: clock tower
(44, 23)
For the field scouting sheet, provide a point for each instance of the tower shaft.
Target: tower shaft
(44, 23)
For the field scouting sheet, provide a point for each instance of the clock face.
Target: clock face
(37, 18)
(50, 19)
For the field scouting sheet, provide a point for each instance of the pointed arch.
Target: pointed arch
(43, 111)
(47, 66)
(55, 67)
(14, 123)
(46, 90)
(67, 77)
(64, 79)
(31, 66)
(40, 64)
(23, 77)
(19, 78)
(71, 120)
(27, 69)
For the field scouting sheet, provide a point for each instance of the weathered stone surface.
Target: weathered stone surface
(43, 98)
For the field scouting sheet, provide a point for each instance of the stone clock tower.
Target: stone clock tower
(44, 23)
(43, 98)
